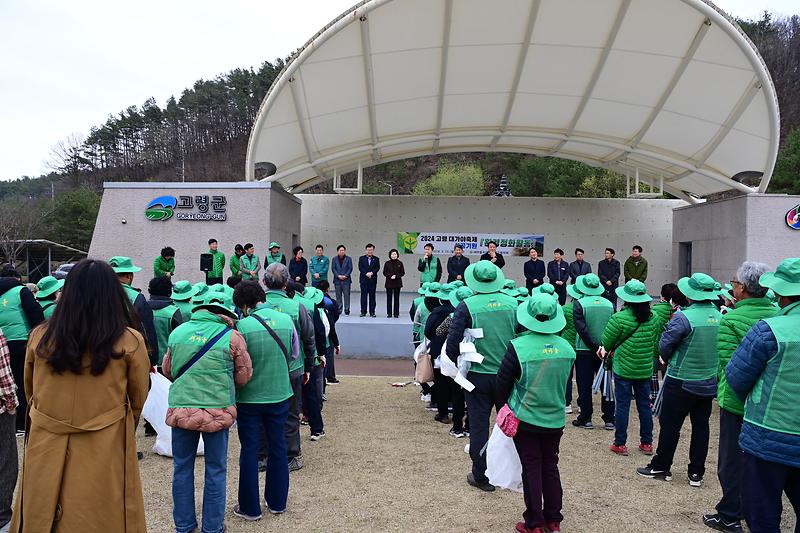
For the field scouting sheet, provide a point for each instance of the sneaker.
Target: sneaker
(296, 463)
(317, 436)
(609, 426)
(324, 397)
(553, 526)
(431, 407)
(262, 465)
(654, 473)
(584, 424)
(442, 419)
(372, 315)
(485, 486)
(466, 432)
(695, 480)
(247, 517)
(715, 521)
(333, 381)
(20, 433)
(275, 512)
(457, 433)
(362, 315)
(522, 528)
(425, 398)
(139, 456)
(347, 313)
(568, 409)
(646, 449)
(619, 450)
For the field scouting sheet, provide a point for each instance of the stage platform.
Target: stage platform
(379, 337)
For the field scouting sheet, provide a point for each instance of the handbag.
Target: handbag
(423, 373)
(507, 421)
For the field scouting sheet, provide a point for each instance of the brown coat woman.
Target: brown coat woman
(80, 471)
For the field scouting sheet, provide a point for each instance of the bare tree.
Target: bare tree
(23, 217)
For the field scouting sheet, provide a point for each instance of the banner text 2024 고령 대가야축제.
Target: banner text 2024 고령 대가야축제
(511, 244)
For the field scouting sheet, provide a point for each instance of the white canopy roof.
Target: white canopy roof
(672, 88)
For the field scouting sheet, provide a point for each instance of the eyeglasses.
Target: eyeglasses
(734, 282)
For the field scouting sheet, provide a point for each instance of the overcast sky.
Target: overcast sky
(67, 65)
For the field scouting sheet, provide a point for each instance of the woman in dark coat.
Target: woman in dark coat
(394, 271)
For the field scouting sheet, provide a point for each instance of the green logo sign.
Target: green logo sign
(200, 208)
(407, 241)
(161, 208)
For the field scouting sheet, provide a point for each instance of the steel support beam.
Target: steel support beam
(448, 21)
(297, 99)
(369, 77)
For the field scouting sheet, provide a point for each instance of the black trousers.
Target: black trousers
(479, 409)
(541, 481)
(729, 466)
(292, 429)
(459, 406)
(676, 405)
(393, 301)
(561, 291)
(368, 292)
(568, 394)
(587, 365)
(16, 351)
(442, 392)
(212, 281)
(610, 295)
(764, 482)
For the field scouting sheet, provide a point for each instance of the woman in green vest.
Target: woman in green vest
(235, 262)
(629, 339)
(263, 404)
(182, 294)
(429, 266)
(166, 315)
(532, 380)
(206, 361)
(48, 294)
(275, 255)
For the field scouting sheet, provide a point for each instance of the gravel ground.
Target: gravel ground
(385, 465)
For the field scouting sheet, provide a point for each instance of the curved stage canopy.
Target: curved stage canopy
(671, 88)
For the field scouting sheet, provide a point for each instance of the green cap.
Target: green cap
(484, 277)
(216, 302)
(123, 265)
(273, 244)
(432, 290)
(542, 314)
(457, 283)
(459, 294)
(200, 290)
(183, 290)
(545, 288)
(633, 292)
(314, 294)
(700, 287)
(589, 285)
(424, 288)
(785, 281)
(48, 285)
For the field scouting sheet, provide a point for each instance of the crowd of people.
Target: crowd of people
(75, 359)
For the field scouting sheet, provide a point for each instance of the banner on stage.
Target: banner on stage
(510, 244)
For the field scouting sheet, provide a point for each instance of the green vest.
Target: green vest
(597, 312)
(48, 308)
(185, 307)
(270, 382)
(538, 395)
(696, 358)
(496, 313)
(278, 301)
(162, 321)
(208, 384)
(235, 264)
(772, 404)
(418, 329)
(430, 269)
(309, 305)
(131, 292)
(249, 263)
(13, 321)
(270, 259)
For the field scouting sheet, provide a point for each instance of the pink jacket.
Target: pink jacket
(211, 420)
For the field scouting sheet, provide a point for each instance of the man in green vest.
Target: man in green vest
(318, 266)
(214, 275)
(751, 306)
(689, 346)
(249, 263)
(263, 404)
(235, 262)
(491, 317)
(276, 278)
(164, 264)
(166, 315)
(429, 266)
(764, 370)
(48, 293)
(569, 334)
(19, 314)
(590, 313)
(532, 380)
(275, 255)
(182, 293)
(125, 270)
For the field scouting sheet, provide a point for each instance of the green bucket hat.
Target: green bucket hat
(700, 287)
(545, 288)
(772, 297)
(273, 244)
(200, 290)
(216, 302)
(484, 277)
(48, 286)
(785, 281)
(123, 265)
(314, 295)
(459, 294)
(432, 290)
(542, 314)
(522, 295)
(183, 290)
(633, 292)
(423, 288)
(509, 287)
(457, 284)
(727, 292)
(573, 292)
(589, 285)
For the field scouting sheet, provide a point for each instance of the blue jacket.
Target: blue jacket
(345, 268)
(364, 266)
(747, 364)
(558, 272)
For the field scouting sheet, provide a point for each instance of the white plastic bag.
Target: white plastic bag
(155, 412)
(503, 467)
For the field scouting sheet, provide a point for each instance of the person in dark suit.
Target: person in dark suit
(493, 255)
(579, 267)
(534, 271)
(609, 271)
(342, 268)
(558, 274)
(457, 264)
(368, 268)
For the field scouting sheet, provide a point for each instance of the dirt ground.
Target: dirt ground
(385, 465)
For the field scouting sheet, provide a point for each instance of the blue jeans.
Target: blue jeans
(312, 400)
(623, 390)
(184, 449)
(251, 419)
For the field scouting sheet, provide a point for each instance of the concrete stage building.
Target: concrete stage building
(670, 93)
